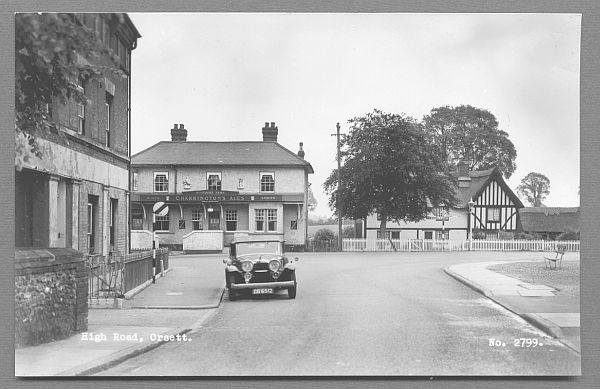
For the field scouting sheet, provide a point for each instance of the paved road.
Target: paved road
(363, 314)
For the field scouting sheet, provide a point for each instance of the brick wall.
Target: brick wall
(122, 227)
(119, 139)
(89, 188)
(51, 294)
(96, 111)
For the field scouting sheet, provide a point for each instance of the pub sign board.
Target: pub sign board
(216, 196)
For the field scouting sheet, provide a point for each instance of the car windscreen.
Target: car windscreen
(258, 248)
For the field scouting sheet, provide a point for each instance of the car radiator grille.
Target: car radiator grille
(262, 277)
(261, 266)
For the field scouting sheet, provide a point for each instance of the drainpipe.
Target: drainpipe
(175, 171)
(129, 156)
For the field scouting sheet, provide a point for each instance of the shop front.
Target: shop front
(207, 221)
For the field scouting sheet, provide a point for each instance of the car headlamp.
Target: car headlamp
(247, 277)
(274, 265)
(247, 266)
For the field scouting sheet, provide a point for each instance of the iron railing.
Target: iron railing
(117, 274)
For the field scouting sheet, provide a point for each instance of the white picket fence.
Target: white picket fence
(456, 245)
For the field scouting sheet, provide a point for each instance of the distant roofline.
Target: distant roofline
(550, 209)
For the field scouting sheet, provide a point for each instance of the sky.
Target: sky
(223, 75)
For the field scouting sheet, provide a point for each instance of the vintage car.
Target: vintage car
(258, 266)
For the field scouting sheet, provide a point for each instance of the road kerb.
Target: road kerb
(550, 328)
(129, 295)
(190, 307)
(473, 285)
(546, 326)
(181, 307)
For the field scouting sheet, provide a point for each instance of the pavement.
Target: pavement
(192, 290)
(188, 294)
(556, 315)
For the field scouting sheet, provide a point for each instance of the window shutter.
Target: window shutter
(73, 114)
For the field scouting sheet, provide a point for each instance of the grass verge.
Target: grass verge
(565, 280)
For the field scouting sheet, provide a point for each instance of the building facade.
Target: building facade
(76, 195)
(216, 191)
(495, 208)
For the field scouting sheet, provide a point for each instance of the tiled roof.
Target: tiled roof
(479, 181)
(549, 219)
(219, 153)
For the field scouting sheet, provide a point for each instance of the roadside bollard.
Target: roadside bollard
(153, 261)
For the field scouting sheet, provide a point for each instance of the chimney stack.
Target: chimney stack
(462, 170)
(301, 151)
(178, 134)
(270, 132)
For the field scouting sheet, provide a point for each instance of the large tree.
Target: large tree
(54, 53)
(390, 167)
(471, 134)
(534, 188)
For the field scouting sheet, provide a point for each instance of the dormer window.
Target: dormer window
(462, 169)
(213, 180)
(267, 182)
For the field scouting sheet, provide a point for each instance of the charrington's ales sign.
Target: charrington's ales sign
(214, 196)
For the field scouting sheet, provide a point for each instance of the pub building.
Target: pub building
(217, 191)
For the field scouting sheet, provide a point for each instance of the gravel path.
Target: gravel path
(565, 280)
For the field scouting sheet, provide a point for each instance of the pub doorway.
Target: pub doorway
(214, 220)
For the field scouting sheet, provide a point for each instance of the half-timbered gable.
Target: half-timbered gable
(495, 205)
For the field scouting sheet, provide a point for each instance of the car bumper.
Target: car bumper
(232, 269)
(256, 285)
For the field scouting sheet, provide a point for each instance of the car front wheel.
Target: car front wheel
(292, 290)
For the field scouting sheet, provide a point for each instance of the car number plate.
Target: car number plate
(262, 291)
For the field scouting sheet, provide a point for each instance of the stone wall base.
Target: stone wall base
(51, 294)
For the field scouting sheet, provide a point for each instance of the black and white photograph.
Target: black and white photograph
(297, 194)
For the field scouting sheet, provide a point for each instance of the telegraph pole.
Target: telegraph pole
(339, 184)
